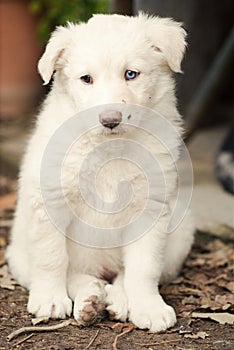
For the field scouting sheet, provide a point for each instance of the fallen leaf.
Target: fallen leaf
(230, 286)
(178, 280)
(3, 242)
(230, 267)
(217, 245)
(198, 335)
(221, 302)
(185, 330)
(6, 223)
(119, 327)
(6, 280)
(196, 262)
(190, 300)
(8, 201)
(225, 301)
(2, 257)
(206, 304)
(222, 318)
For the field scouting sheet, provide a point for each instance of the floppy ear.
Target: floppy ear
(54, 49)
(168, 37)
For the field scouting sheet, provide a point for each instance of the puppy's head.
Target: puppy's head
(115, 58)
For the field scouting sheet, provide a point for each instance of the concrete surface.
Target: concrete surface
(213, 208)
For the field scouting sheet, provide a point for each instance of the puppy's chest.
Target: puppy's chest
(91, 167)
(98, 173)
(108, 161)
(104, 263)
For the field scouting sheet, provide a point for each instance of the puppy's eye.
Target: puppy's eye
(87, 79)
(131, 74)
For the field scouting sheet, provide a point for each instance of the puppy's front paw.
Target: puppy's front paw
(89, 304)
(47, 305)
(151, 312)
(89, 310)
(116, 302)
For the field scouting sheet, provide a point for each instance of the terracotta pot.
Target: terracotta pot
(20, 84)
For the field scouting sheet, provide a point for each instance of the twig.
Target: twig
(159, 343)
(23, 340)
(39, 329)
(103, 325)
(114, 345)
(92, 340)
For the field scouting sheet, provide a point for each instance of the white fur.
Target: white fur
(54, 268)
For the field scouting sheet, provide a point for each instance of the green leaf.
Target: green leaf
(57, 12)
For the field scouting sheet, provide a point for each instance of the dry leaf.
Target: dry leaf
(119, 327)
(206, 303)
(216, 245)
(185, 330)
(190, 300)
(128, 327)
(196, 262)
(178, 280)
(225, 301)
(222, 318)
(230, 286)
(2, 257)
(6, 280)
(198, 335)
(221, 302)
(3, 242)
(8, 201)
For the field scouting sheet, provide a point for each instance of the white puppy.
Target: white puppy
(111, 59)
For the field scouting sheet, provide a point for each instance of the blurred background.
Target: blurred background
(205, 90)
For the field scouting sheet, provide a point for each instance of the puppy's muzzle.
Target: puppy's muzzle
(110, 119)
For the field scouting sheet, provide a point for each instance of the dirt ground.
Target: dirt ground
(205, 288)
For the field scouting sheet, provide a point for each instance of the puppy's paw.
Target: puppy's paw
(89, 304)
(46, 305)
(88, 311)
(152, 313)
(116, 302)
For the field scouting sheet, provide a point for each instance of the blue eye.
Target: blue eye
(131, 74)
(87, 79)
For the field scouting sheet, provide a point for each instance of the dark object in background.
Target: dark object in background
(208, 24)
(224, 164)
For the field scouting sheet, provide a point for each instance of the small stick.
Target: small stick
(23, 340)
(92, 340)
(39, 329)
(114, 346)
(159, 343)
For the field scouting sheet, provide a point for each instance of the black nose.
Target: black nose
(110, 119)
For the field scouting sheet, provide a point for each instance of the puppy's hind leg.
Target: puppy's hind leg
(17, 251)
(88, 294)
(178, 247)
(116, 299)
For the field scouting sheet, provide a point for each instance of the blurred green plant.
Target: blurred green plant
(57, 12)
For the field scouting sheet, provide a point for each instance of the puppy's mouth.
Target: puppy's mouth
(111, 120)
(114, 131)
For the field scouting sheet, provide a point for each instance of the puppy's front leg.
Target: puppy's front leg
(143, 262)
(49, 261)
